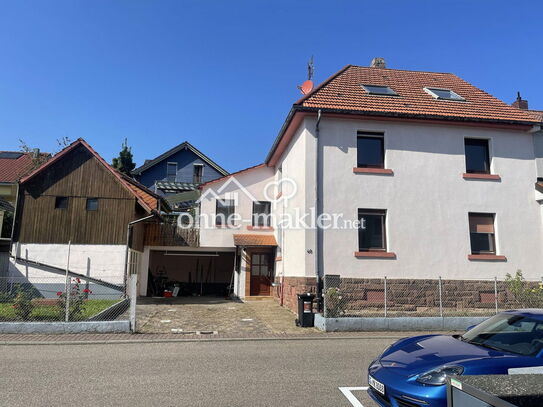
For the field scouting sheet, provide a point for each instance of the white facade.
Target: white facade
(244, 188)
(427, 201)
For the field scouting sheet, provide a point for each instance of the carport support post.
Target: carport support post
(133, 294)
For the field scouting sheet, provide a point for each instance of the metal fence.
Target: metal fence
(57, 298)
(356, 297)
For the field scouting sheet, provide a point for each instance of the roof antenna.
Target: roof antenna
(307, 86)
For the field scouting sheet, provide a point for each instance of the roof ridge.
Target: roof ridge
(401, 70)
(81, 142)
(150, 163)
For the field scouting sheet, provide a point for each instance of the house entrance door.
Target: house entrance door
(261, 273)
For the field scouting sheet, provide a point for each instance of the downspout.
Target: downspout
(318, 232)
(128, 231)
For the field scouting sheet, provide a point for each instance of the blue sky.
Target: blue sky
(223, 74)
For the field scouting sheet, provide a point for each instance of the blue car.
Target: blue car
(412, 372)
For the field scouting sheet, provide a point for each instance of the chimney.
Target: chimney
(378, 63)
(520, 103)
(35, 152)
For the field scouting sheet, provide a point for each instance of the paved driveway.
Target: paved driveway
(209, 315)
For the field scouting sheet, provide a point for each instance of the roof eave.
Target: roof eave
(416, 116)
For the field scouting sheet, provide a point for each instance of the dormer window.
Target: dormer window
(444, 94)
(379, 90)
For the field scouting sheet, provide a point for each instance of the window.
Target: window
(477, 156)
(379, 90)
(261, 213)
(445, 94)
(225, 209)
(171, 171)
(481, 231)
(61, 202)
(198, 171)
(370, 150)
(92, 204)
(371, 234)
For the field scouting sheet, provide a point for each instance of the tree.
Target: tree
(124, 162)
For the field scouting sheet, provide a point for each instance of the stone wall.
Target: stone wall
(291, 287)
(403, 297)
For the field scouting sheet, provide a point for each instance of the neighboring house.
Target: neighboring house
(178, 170)
(78, 202)
(440, 173)
(13, 166)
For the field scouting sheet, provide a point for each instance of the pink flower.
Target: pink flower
(86, 290)
(78, 280)
(59, 293)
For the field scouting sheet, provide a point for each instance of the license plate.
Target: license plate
(377, 386)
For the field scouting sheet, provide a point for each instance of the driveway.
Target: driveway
(212, 315)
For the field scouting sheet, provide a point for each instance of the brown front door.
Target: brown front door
(261, 273)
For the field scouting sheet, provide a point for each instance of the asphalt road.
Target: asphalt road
(230, 374)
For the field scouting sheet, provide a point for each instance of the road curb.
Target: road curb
(187, 340)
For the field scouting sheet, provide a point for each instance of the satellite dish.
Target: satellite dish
(306, 87)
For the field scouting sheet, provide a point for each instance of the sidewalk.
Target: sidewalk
(29, 339)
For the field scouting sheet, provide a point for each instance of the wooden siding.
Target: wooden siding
(78, 175)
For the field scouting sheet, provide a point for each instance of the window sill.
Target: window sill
(259, 228)
(379, 171)
(375, 254)
(486, 177)
(486, 257)
(278, 259)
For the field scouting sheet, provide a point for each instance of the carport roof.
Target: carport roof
(255, 240)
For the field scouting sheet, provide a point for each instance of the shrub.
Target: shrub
(23, 305)
(525, 294)
(77, 298)
(335, 306)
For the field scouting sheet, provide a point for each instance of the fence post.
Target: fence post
(133, 293)
(386, 310)
(496, 292)
(67, 285)
(440, 299)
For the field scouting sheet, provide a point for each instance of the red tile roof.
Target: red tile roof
(343, 91)
(536, 114)
(147, 199)
(13, 169)
(254, 240)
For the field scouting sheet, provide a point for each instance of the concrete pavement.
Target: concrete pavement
(216, 373)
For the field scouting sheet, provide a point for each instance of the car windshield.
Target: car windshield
(512, 333)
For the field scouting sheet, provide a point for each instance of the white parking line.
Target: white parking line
(347, 392)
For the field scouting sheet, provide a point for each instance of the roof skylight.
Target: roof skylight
(445, 94)
(379, 90)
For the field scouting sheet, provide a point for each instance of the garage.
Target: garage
(181, 273)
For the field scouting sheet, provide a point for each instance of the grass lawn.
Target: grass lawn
(53, 312)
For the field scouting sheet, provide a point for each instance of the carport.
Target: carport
(190, 272)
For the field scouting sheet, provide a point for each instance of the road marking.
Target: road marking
(347, 392)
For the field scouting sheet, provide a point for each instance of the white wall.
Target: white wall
(254, 181)
(104, 262)
(428, 201)
(298, 164)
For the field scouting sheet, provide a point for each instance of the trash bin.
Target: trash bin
(306, 317)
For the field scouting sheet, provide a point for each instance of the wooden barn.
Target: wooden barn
(78, 201)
